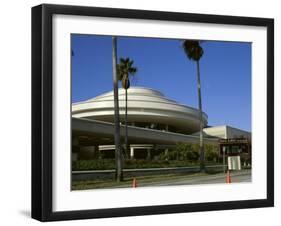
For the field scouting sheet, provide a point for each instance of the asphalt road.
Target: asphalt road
(236, 177)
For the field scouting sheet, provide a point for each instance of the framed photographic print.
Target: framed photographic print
(145, 112)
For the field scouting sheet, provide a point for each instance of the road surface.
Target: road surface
(243, 176)
(236, 177)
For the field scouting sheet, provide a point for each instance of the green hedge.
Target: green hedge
(103, 164)
(182, 155)
(100, 164)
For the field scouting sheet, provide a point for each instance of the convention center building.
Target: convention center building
(155, 124)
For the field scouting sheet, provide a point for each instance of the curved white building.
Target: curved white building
(155, 123)
(147, 108)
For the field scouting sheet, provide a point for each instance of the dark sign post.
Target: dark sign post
(223, 158)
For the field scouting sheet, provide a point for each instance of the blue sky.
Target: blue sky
(162, 65)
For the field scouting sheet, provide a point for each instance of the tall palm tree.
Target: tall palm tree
(194, 52)
(124, 70)
(118, 153)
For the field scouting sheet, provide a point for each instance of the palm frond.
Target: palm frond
(133, 70)
(192, 49)
(125, 68)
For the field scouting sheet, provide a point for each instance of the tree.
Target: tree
(187, 152)
(211, 152)
(124, 70)
(118, 153)
(194, 52)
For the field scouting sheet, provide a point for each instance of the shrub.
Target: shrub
(190, 152)
(100, 164)
(128, 164)
(211, 153)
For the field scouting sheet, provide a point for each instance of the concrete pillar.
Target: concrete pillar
(148, 154)
(166, 153)
(97, 152)
(132, 153)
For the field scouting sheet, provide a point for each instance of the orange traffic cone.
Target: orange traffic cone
(228, 178)
(134, 184)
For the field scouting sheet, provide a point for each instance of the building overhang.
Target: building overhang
(94, 132)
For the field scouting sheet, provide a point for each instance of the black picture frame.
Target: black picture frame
(42, 111)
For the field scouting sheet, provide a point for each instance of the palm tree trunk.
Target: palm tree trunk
(201, 144)
(118, 153)
(126, 121)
